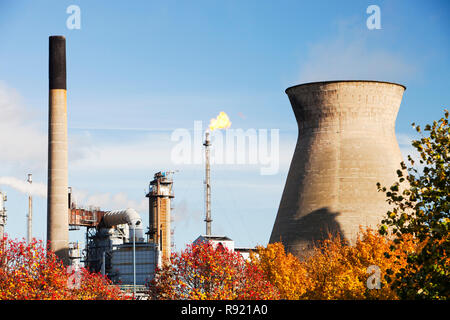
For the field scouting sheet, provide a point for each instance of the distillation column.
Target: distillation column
(160, 195)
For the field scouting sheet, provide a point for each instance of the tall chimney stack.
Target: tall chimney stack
(57, 199)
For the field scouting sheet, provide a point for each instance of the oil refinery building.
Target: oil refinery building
(116, 244)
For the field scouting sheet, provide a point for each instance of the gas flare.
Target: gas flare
(221, 122)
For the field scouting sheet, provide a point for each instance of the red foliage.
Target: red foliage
(205, 272)
(31, 272)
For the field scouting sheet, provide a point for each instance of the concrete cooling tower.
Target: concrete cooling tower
(346, 144)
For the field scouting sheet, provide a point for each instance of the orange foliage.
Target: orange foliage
(335, 270)
(283, 270)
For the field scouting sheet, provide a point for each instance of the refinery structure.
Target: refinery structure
(346, 144)
(116, 244)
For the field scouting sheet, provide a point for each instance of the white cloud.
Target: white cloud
(22, 143)
(23, 139)
(154, 150)
(107, 201)
(353, 55)
(147, 151)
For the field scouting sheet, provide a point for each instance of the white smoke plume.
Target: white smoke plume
(32, 189)
(107, 201)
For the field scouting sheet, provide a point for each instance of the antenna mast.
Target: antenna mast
(30, 212)
(207, 185)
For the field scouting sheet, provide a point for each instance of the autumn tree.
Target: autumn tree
(421, 209)
(204, 271)
(334, 269)
(338, 270)
(283, 270)
(29, 272)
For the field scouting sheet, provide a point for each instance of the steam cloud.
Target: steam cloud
(33, 189)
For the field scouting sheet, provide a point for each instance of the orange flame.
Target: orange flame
(221, 122)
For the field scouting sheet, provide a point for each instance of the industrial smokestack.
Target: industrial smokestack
(57, 211)
(346, 144)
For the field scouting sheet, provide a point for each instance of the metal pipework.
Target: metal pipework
(346, 144)
(57, 198)
(129, 217)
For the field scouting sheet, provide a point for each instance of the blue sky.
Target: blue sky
(138, 70)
